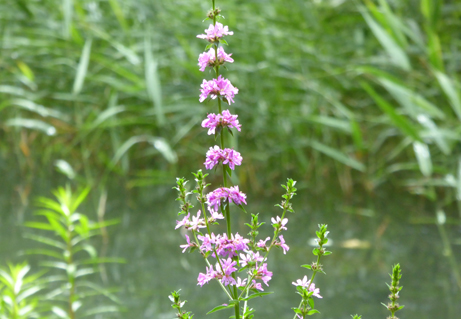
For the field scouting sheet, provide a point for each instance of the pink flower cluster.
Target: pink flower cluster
(231, 194)
(278, 243)
(227, 247)
(209, 58)
(307, 284)
(227, 156)
(224, 245)
(215, 32)
(198, 222)
(218, 87)
(224, 274)
(225, 119)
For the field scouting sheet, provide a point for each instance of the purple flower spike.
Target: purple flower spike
(218, 87)
(225, 119)
(215, 32)
(209, 58)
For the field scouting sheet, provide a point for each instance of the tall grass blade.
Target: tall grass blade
(450, 91)
(154, 90)
(159, 143)
(32, 124)
(424, 158)
(119, 14)
(396, 53)
(82, 67)
(68, 10)
(407, 98)
(337, 155)
(401, 122)
(434, 133)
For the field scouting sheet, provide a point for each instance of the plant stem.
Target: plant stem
(227, 213)
(69, 262)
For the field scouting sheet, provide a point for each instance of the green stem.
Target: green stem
(71, 280)
(227, 213)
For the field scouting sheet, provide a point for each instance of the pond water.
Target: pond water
(368, 235)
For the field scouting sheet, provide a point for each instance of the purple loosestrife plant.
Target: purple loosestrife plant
(236, 263)
(239, 265)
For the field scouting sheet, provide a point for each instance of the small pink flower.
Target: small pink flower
(215, 32)
(219, 87)
(196, 222)
(307, 283)
(281, 243)
(184, 222)
(279, 223)
(262, 243)
(189, 244)
(209, 58)
(225, 120)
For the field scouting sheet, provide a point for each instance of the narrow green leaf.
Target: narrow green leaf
(153, 86)
(116, 8)
(59, 312)
(68, 10)
(219, 308)
(45, 252)
(46, 241)
(396, 53)
(424, 158)
(82, 67)
(159, 144)
(259, 294)
(32, 124)
(39, 225)
(450, 91)
(65, 168)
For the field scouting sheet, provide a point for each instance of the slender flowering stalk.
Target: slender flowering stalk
(394, 288)
(306, 288)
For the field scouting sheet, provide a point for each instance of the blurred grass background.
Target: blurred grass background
(356, 98)
(359, 91)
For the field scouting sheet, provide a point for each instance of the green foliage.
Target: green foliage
(18, 293)
(73, 257)
(178, 304)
